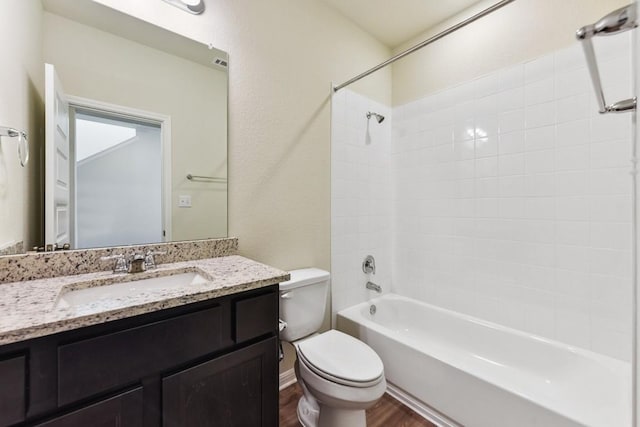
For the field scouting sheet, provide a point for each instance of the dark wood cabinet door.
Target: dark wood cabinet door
(235, 390)
(12, 390)
(123, 410)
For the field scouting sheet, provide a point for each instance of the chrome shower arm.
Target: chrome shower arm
(592, 65)
(617, 21)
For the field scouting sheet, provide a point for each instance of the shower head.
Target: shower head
(617, 21)
(379, 117)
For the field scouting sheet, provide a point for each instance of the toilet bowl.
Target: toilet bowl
(340, 376)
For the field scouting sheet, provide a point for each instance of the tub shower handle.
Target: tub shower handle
(369, 265)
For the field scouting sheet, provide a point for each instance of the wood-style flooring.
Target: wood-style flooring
(386, 413)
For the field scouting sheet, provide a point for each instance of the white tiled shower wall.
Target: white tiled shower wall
(507, 198)
(361, 202)
(512, 199)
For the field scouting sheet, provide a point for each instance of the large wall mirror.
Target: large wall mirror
(135, 131)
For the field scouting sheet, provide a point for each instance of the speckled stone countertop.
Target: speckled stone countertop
(40, 265)
(35, 308)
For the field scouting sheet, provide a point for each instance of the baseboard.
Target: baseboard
(420, 408)
(287, 378)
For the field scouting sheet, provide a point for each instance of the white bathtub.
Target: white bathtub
(479, 374)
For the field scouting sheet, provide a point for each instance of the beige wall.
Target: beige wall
(284, 54)
(21, 76)
(519, 31)
(115, 70)
(636, 236)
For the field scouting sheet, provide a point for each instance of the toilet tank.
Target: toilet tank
(303, 301)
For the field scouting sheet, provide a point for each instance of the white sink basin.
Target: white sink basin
(114, 294)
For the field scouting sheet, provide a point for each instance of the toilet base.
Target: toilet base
(308, 411)
(311, 413)
(336, 417)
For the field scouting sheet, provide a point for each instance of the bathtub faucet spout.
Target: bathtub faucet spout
(374, 287)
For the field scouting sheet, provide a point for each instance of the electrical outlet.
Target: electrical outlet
(184, 201)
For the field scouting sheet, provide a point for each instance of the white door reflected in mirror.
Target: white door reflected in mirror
(118, 163)
(107, 172)
(57, 165)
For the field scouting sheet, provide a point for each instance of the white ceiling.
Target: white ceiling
(394, 22)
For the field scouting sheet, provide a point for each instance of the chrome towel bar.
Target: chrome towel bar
(205, 178)
(618, 21)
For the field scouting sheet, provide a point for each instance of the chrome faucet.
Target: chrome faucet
(372, 286)
(137, 263)
(134, 262)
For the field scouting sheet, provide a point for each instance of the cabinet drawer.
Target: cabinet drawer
(255, 316)
(110, 361)
(12, 390)
(123, 410)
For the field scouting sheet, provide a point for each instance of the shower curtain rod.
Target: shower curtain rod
(425, 43)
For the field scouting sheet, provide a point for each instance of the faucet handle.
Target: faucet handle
(149, 258)
(369, 265)
(121, 265)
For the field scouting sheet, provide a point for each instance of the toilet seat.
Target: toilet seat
(337, 380)
(341, 359)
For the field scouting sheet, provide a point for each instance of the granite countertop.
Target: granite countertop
(35, 308)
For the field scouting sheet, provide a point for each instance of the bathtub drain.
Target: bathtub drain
(372, 309)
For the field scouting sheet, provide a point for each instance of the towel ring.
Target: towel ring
(23, 143)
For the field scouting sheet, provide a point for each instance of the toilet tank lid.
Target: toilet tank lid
(304, 276)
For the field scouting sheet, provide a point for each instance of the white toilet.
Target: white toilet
(340, 376)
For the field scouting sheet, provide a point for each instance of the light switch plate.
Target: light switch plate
(184, 201)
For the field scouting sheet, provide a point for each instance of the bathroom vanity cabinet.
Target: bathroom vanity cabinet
(209, 363)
